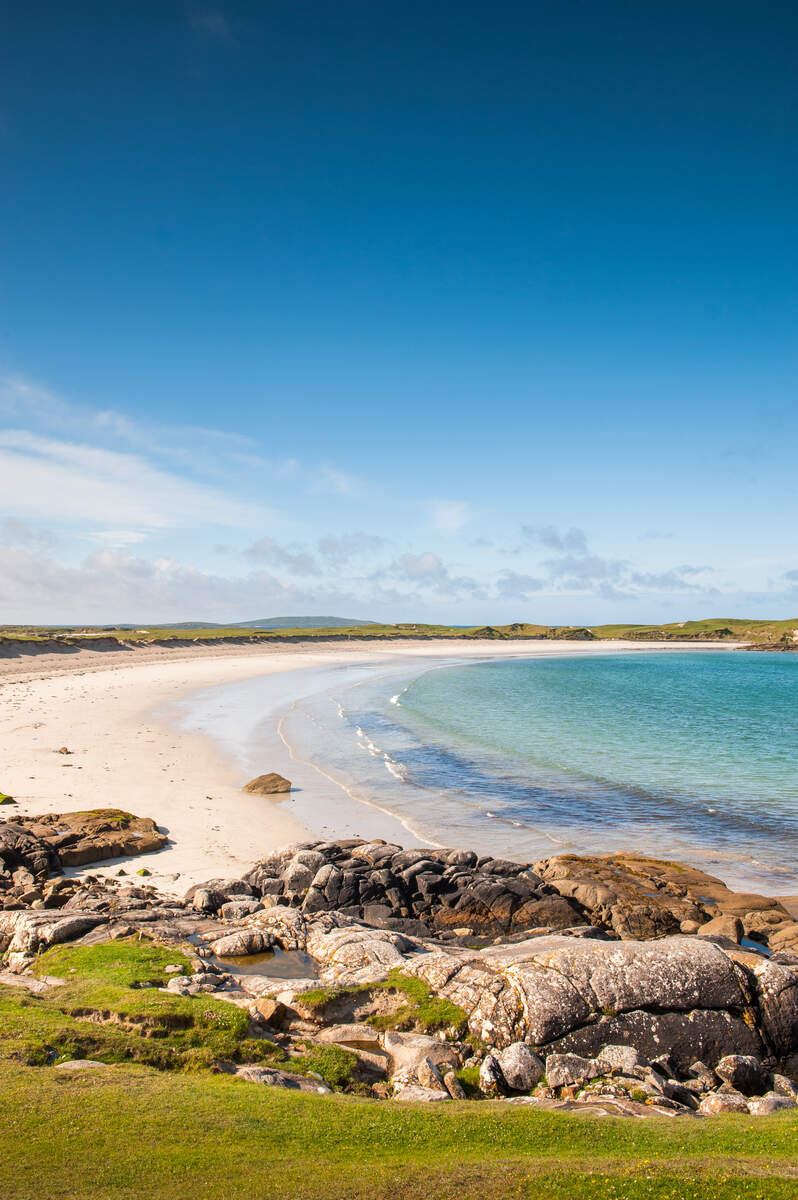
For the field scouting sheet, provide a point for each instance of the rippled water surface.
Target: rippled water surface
(690, 755)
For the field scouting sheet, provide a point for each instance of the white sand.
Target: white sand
(101, 706)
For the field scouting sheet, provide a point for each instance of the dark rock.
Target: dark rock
(743, 1072)
(567, 1070)
(702, 1033)
(377, 914)
(491, 1079)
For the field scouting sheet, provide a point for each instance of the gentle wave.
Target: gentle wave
(692, 757)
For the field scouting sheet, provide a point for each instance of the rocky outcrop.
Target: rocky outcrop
(20, 849)
(683, 996)
(420, 892)
(455, 895)
(639, 897)
(33, 848)
(668, 1022)
(78, 838)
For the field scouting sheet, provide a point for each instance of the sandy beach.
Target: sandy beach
(117, 713)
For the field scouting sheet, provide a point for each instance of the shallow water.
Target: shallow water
(688, 755)
(276, 964)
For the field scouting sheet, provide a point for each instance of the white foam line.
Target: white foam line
(348, 791)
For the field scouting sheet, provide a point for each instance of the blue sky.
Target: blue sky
(437, 311)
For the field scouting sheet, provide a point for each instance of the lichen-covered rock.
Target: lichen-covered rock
(723, 1102)
(242, 943)
(453, 1086)
(774, 992)
(429, 1076)
(27, 933)
(271, 1077)
(416, 1094)
(569, 1070)
(763, 1106)
(234, 910)
(743, 1072)
(409, 1050)
(354, 954)
(520, 1066)
(784, 1086)
(702, 1033)
(546, 988)
(620, 1058)
(491, 1079)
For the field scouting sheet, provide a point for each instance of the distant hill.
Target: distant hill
(302, 623)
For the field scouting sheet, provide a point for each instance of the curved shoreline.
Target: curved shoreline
(126, 756)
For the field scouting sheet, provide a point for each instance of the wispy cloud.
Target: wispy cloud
(449, 516)
(331, 479)
(427, 570)
(48, 479)
(513, 586)
(291, 558)
(341, 550)
(572, 540)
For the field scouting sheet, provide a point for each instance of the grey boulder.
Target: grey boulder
(520, 1066)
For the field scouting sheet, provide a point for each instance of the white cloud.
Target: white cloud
(43, 478)
(14, 532)
(427, 570)
(339, 551)
(115, 585)
(571, 540)
(291, 558)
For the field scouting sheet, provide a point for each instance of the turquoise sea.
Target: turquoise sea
(689, 755)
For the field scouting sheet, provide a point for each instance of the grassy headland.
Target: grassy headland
(731, 629)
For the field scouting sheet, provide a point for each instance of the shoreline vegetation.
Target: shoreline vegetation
(17, 640)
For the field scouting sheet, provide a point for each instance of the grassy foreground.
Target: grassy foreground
(154, 1122)
(129, 1131)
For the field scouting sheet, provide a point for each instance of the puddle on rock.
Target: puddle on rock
(277, 964)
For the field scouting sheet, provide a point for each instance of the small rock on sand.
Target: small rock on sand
(268, 785)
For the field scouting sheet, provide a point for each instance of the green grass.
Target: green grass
(469, 1078)
(130, 1133)
(421, 1009)
(182, 1132)
(110, 1008)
